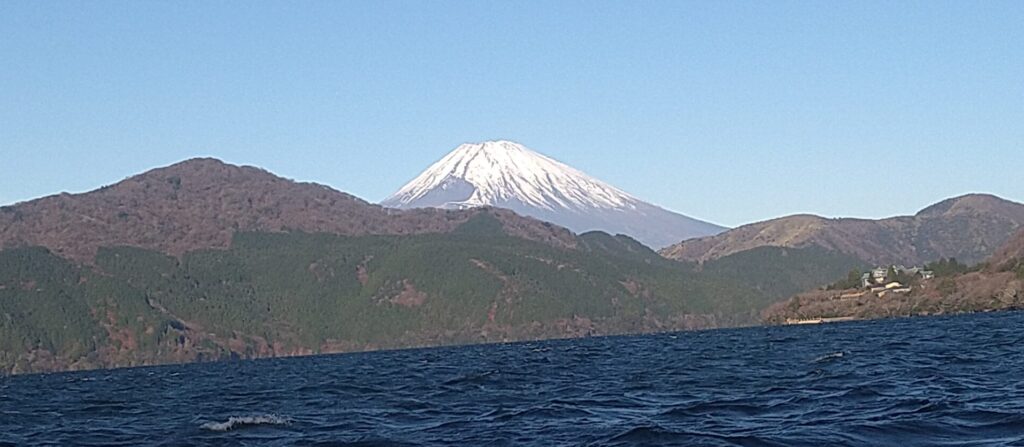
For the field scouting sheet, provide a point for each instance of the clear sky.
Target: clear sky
(728, 111)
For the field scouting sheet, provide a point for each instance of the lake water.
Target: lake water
(923, 381)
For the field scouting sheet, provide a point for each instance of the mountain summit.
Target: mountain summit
(969, 228)
(506, 174)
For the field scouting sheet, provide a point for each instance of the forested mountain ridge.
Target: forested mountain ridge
(206, 260)
(293, 293)
(969, 228)
(200, 203)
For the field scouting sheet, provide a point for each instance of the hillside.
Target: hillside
(1010, 254)
(201, 203)
(204, 260)
(273, 294)
(294, 293)
(968, 228)
(996, 285)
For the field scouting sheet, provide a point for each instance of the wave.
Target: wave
(234, 422)
(471, 378)
(829, 357)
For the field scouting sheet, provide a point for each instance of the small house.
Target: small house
(879, 274)
(865, 280)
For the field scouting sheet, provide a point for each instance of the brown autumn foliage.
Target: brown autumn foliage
(201, 203)
(969, 228)
(1000, 286)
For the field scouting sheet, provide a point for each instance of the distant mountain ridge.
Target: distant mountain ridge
(969, 228)
(200, 203)
(204, 260)
(508, 175)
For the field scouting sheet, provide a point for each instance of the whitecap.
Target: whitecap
(832, 356)
(234, 422)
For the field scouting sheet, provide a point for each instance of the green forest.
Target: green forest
(298, 293)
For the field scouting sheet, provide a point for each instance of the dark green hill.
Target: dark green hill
(203, 260)
(54, 316)
(777, 272)
(273, 294)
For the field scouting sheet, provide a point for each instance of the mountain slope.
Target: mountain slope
(507, 175)
(204, 260)
(968, 228)
(1011, 253)
(996, 285)
(294, 293)
(201, 203)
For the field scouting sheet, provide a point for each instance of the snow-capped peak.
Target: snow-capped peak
(499, 172)
(505, 174)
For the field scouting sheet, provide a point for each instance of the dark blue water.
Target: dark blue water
(925, 381)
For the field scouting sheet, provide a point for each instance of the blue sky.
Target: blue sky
(728, 111)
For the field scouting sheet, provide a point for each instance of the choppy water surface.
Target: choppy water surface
(925, 381)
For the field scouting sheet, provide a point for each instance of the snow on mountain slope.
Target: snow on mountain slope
(507, 175)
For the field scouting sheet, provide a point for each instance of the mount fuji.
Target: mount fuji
(506, 174)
